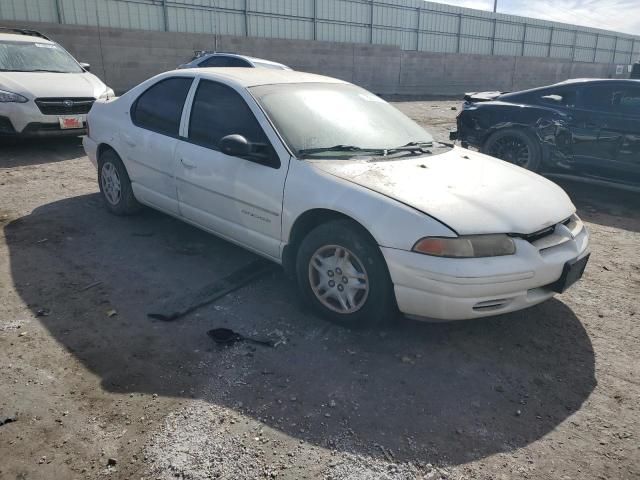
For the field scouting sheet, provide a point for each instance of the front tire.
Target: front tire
(514, 146)
(343, 275)
(115, 185)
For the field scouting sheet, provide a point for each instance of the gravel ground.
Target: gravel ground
(98, 390)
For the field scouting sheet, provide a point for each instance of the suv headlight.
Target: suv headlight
(108, 93)
(472, 246)
(10, 97)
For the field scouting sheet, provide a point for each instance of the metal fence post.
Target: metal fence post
(615, 50)
(315, 19)
(595, 50)
(493, 36)
(371, 24)
(246, 18)
(419, 10)
(459, 33)
(59, 12)
(573, 45)
(524, 39)
(633, 47)
(165, 15)
(550, 42)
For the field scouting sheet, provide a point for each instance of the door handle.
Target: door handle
(187, 164)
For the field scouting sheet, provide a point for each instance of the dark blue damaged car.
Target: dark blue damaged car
(587, 129)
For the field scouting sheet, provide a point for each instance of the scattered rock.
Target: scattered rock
(112, 462)
(43, 312)
(111, 313)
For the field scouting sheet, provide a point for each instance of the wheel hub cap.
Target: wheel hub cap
(110, 183)
(338, 279)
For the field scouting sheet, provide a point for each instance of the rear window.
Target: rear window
(220, 61)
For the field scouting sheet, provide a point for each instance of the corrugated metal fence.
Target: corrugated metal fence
(410, 24)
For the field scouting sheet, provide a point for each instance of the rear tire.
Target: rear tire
(115, 185)
(343, 275)
(514, 146)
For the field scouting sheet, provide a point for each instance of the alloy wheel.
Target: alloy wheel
(111, 183)
(338, 279)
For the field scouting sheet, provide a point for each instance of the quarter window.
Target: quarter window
(219, 111)
(159, 108)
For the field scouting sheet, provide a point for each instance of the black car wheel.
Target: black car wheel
(514, 146)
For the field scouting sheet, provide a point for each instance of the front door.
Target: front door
(237, 198)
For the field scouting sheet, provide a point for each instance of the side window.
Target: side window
(220, 61)
(219, 111)
(597, 97)
(160, 107)
(628, 101)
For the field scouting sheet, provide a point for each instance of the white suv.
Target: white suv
(44, 91)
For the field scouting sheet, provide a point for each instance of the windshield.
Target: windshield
(36, 57)
(326, 119)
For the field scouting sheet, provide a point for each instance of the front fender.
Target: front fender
(391, 223)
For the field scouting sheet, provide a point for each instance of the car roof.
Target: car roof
(252, 77)
(17, 37)
(570, 82)
(595, 80)
(237, 55)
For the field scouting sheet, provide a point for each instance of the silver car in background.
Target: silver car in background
(203, 59)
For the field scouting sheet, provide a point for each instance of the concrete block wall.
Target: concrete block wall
(123, 58)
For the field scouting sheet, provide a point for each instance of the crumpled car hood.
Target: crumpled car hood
(469, 192)
(49, 84)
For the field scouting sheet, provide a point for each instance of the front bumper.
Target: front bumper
(26, 120)
(458, 289)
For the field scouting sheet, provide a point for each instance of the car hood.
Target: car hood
(469, 192)
(48, 84)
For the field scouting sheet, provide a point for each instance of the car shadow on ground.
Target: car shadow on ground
(453, 391)
(24, 152)
(605, 206)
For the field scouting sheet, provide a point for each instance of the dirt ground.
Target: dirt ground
(99, 390)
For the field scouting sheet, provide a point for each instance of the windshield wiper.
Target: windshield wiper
(338, 148)
(421, 147)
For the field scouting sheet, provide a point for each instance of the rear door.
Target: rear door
(238, 198)
(615, 108)
(150, 140)
(624, 130)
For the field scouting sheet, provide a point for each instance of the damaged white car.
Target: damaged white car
(353, 198)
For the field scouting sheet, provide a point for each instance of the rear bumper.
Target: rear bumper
(91, 149)
(457, 289)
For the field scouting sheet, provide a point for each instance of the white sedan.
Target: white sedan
(353, 198)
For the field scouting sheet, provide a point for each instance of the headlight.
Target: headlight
(10, 97)
(108, 93)
(471, 246)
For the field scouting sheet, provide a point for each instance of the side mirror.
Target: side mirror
(86, 66)
(235, 146)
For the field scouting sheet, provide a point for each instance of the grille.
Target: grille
(65, 106)
(552, 237)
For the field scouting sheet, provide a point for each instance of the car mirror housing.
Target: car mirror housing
(235, 146)
(86, 66)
